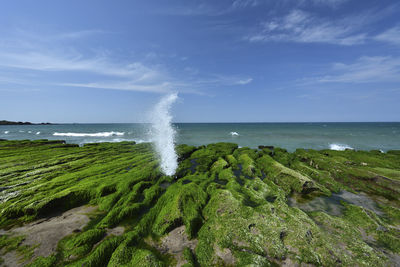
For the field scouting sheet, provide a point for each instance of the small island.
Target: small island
(4, 122)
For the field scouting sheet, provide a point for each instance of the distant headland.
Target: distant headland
(4, 122)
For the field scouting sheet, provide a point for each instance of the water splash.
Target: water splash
(163, 134)
(339, 147)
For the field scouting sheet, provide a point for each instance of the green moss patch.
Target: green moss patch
(226, 205)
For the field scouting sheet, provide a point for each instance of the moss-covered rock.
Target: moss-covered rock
(232, 202)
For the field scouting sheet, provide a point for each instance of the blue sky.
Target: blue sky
(230, 60)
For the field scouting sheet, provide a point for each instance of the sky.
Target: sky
(98, 61)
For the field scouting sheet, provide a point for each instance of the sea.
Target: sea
(337, 136)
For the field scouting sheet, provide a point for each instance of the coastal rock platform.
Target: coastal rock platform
(108, 204)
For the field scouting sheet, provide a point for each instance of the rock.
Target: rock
(381, 228)
(268, 147)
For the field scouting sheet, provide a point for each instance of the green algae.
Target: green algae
(15, 243)
(232, 201)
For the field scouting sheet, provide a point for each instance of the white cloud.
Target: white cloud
(76, 34)
(134, 76)
(391, 35)
(209, 81)
(245, 3)
(48, 57)
(365, 70)
(194, 85)
(41, 63)
(301, 27)
(221, 8)
(161, 87)
(333, 3)
(188, 9)
(60, 61)
(245, 81)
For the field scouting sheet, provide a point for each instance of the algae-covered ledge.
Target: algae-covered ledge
(227, 206)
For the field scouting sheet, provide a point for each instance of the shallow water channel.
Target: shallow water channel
(332, 204)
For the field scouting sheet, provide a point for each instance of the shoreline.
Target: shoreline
(333, 147)
(7, 123)
(381, 136)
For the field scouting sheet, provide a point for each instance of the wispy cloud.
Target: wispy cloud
(59, 61)
(246, 3)
(199, 8)
(23, 38)
(222, 8)
(365, 70)
(332, 3)
(133, 76)
(245, 81)
(77, 34)
(100, 70)
(391, 35)
(217, 80)
(193, 85)
(162, 87)
(302, 27)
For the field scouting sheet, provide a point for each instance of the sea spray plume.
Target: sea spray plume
(163, 134)
(339, 147)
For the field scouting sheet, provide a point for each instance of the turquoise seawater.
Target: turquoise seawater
(362, 136)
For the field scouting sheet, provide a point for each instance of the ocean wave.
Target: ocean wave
(234, 133)
(137, 141)
(100, 134)
(6, 132)
(37, 133)
(339, 147)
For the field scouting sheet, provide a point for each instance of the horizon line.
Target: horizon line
(226, 122)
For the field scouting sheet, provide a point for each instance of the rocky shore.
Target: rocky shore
(108, 204)
(4, 122)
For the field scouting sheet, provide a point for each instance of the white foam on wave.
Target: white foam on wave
(37, 133)
(6, 132)
(139, 141)
(163, 134)
(100, 134)
(21, 131)
(339, 147)
(234, 133)
(29, 131)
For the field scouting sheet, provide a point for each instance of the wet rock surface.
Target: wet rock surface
(174, 243)
(44, 234)
(333, 204)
